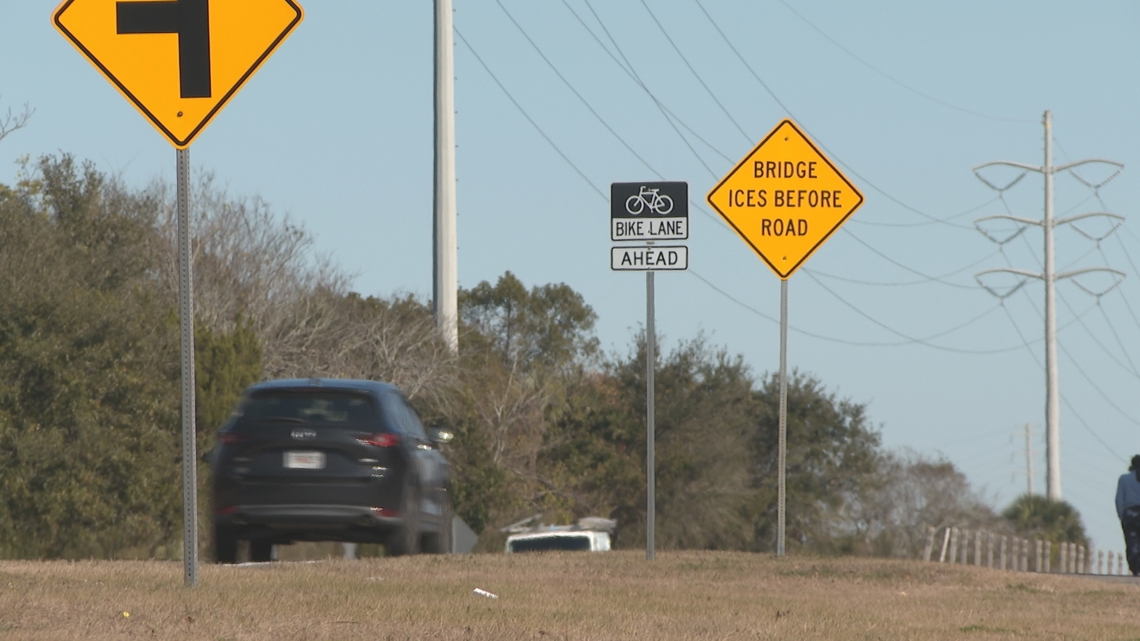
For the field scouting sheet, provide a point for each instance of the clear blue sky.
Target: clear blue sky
(906, 97)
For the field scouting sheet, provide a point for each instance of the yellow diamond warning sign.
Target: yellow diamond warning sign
(178, 61)
(785, 199)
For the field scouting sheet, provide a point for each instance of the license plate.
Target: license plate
(305, 460)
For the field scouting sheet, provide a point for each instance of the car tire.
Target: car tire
(405, 539)
(261, 551)
(225, 545)
(440, 542)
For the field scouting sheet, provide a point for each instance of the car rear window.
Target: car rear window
(551, 543)
(320, 407)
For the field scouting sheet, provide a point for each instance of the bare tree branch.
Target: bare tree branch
(253, 264)
(10, 122)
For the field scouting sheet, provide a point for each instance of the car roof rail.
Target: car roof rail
(534, 523)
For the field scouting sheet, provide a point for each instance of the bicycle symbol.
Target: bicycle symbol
(657, 203)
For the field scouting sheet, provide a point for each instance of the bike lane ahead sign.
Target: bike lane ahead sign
(649, 211)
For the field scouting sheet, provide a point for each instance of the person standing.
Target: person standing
(1128, 509)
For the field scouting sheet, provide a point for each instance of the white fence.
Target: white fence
(1004, 552)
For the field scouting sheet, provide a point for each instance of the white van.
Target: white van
(591, 534)
(559, 540)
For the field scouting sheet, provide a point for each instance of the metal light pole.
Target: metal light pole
(445, 281)
(1050, 278)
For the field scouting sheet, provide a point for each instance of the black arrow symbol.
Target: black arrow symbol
(190, 19)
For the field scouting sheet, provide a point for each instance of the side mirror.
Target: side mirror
(441, 435)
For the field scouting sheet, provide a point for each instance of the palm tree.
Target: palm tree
(1038, 517)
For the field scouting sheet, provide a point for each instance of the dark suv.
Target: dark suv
(328, 460)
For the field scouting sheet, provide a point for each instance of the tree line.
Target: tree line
(545, 421)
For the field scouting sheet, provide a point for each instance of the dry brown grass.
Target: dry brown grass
(620, 595)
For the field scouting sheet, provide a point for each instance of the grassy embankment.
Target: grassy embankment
(685, 595)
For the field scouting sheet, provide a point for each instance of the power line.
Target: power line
(912, 339)
(633, 74)
(1130, 368)
(694, 72)
(528, 118)
(897, 81)
(696, 205)
(1064, 399)
(902, 266)
(576, 92)
(923, 281)
(742, 59)
(1135, 271)
(874, 223)
(1097, 388)
(832, 339)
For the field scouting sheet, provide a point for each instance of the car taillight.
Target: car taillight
(381, 440)
(230, 439)
(229, 509)
(383, 511)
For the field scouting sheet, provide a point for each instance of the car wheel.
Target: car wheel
(440, 542)
(225, 545)
(405, 539)
(260, 551)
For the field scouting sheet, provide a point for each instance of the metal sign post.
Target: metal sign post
(649, 212)
(785, 199)
(650, 420)
(186, 327)
(782, 446)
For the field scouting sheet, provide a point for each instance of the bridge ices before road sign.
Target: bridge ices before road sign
(649, 258)
(785, 199)
(177, 61)
(649, 211)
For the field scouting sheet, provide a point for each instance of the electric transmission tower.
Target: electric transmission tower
(1049, 277)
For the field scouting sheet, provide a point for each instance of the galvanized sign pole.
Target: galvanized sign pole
(650, 420)
(782, 448)
(186, 326)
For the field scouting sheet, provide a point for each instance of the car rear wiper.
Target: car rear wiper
(280, 419)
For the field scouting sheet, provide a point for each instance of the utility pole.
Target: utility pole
(1029, 456)
(1050, 278)
(445, 248)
